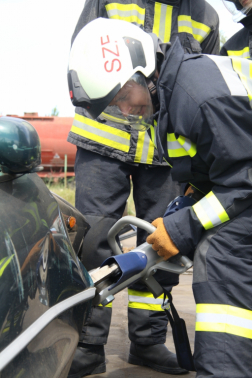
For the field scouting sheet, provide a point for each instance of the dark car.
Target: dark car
(40, 274)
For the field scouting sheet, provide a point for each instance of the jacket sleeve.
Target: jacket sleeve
(211, 45)
(224, 143)
(92, 10)
(223, 51)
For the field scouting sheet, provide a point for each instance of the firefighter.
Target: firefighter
(108, 153)
(240, 44)
(204, 131)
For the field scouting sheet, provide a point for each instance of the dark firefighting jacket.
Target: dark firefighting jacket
(196, 24)
(205, 131)
(240, 44)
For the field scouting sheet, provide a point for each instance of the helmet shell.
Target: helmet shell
(20, 149)
(103, 57)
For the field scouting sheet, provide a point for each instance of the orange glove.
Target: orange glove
(161, 241)
(190, 190)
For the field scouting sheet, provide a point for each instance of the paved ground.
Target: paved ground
(117, 348)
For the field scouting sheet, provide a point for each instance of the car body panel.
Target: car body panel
(39, 269)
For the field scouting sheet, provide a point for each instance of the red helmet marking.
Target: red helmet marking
(106, 53)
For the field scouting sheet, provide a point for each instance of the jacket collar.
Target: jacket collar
(247, 22)
(165, 85)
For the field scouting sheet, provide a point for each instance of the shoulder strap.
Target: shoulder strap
(180, 336)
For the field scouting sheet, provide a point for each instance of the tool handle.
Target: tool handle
(141, 224)
(184, 260)
(120, 224)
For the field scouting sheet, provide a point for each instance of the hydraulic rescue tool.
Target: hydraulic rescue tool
(121, 270)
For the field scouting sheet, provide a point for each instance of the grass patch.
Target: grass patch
(130, 203)
(66, 193)
(58, 188)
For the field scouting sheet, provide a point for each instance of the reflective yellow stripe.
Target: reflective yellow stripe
(153, 130)
(188, 146)
(101, 126)
(244, 53)
(103, 134)
(200, 31)
(185, 24)
(243, 68)
(223, 309)
(162, 21)
(126, 12)
(144, 149)
(197, 29)
(210, 212)
(4, 263)
(225, 319)
(144, 300)
(180, 146)
(153, 136)
(108, 305)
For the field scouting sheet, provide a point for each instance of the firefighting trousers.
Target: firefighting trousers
(102, 189)
(222, 286)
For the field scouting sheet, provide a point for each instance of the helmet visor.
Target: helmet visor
(132, 105)
(238, 8)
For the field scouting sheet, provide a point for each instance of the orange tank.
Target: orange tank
(53, 132)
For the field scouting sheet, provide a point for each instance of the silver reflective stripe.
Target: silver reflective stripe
(243, 67)
(99, 132)
(245, 55)
(210, 211)
(173, 145)
(180, 146)
(229, 75)
(136, 298)
(212, 215)
(14, 348)
(187, 144)
(224, 318)
(163, 23)
(146, 145)
(197, 31)
(200, 32)
(125, 13)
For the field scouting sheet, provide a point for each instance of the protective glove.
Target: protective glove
(161, 241)
(189, 190)
(194, 193)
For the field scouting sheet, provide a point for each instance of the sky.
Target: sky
(35, 40)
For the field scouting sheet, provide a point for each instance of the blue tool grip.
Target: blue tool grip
(130, 264)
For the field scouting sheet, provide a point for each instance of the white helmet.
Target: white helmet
(107, 55)
(238, 8)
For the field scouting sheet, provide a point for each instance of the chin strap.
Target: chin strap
(153, 92)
